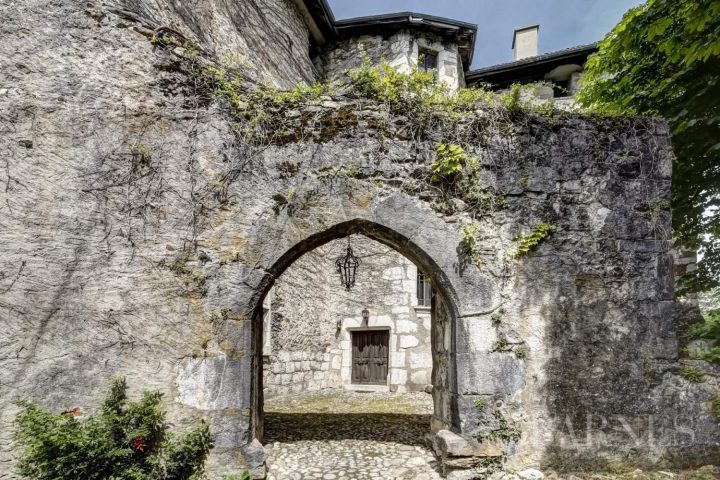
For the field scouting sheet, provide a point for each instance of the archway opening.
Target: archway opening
(374, 362)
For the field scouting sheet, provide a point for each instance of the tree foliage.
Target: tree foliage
(127, 441)
(663, 58)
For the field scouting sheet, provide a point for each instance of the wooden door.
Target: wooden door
(370, 357)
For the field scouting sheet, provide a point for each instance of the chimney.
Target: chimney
(525, 42)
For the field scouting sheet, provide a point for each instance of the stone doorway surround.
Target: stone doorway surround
(347, 360)
(443, 313)
(378, 357)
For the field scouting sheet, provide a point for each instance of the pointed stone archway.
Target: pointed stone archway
(443, 314)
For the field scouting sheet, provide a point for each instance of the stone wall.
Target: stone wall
(400, 50)
(309, 353)
(140, 234)
(267, 40)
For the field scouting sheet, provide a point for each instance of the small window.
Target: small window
(427, 60)
(424, 290)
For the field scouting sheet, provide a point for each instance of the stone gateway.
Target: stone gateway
(143, 225)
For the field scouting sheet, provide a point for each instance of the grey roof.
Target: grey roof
(323, 16)
(462, 33)
(412, 17)
(575, 51)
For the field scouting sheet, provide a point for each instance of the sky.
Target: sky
(563, 23)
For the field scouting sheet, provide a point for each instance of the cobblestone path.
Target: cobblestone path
(347, 435)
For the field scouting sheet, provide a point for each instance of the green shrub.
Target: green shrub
(709, 330)
(243, 476)
(418, 93)
(715, 403)
(387, 85)
(521, 352)
(449, 161)
(497, 316)
(713, 356)
(469, 243)
(512, 98)
(126, 441)
(692, 374)
(480, 403)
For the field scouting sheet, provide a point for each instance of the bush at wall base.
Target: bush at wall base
(127, 440)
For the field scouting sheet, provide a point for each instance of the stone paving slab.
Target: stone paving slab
(329, 436)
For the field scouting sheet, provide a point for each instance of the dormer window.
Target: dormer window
(427, 60)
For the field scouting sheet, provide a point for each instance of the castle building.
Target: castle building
(168, 217)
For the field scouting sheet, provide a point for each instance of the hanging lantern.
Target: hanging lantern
(347, 267)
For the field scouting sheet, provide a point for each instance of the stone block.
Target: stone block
(380, 321)
(451, 444)
(397, 359)
(530, 474)
(398, 376)
(405, 326)
(336, 362)
(462, 475)
(420, 377)
(254, 456)
(408, 341)
(420, 360)
(393, 273)
(489, 373)
(214, 382)
(351, 322)
(476, 334)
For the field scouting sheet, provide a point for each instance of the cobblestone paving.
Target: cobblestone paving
(347, 435)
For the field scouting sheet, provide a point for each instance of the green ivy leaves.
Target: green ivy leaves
(528, 243)
(449, 161)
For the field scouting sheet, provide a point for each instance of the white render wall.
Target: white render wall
(307, 352)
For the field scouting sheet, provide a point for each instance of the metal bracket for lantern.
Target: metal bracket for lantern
(347, 267)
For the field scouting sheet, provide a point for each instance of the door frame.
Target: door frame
(379, 328)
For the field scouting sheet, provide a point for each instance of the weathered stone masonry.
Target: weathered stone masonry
(129, 176)
(312, 317)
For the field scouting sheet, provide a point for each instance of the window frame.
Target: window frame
(423, 290)
(423, 54)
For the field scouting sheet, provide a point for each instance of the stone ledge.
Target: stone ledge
(451, 444)
(461, 452)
